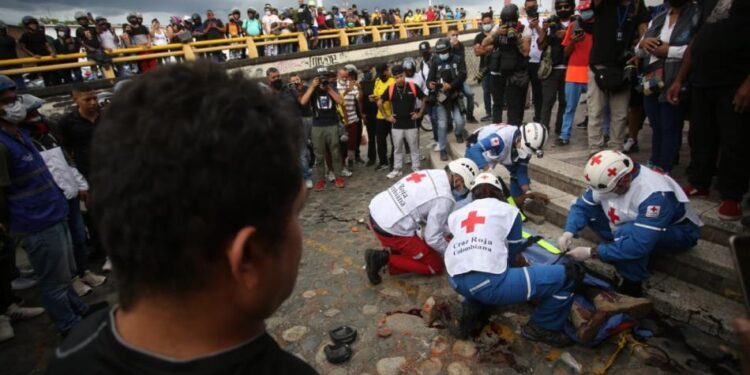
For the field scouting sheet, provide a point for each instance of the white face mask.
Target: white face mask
(487, 27)
(444, 56)
(14, 113)
(268, 12)
(61, 34)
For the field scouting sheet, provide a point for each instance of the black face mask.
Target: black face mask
(677, 3)
(565, 14)
(277, 84)
(426, 56)
(383, 77)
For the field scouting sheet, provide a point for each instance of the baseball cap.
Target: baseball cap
(424, 46)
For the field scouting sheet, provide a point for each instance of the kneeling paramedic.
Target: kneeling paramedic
(421, 199)
(636, 211)
(486, 240)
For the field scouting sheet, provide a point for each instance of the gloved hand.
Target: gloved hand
(580, 253)
(564, 242)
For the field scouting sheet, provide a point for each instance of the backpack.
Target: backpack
(412, 86)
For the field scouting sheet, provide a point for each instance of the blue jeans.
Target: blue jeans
(50, 253)
(432, 112)
(487, 93)
(469, 99)
(78, 236)
(546, 283)
(666, 120)
(442, 117)
(573, 93)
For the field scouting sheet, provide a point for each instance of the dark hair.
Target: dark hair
(174, 177)
(82, 87)
(486, 15)
(271, 70)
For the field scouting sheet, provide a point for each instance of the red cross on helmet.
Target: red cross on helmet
(489, 179)
(605, 169)
(464, 167)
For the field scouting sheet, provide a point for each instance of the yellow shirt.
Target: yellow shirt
(380, 88)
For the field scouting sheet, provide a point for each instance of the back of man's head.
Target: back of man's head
(176, 177)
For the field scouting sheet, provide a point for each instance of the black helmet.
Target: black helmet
(509, 14)
(132, 17)
(100, 19)
(27, 20)
(196, 18)
(235, 11)
(443, 45)
(61, 27)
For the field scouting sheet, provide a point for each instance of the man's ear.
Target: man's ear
(243, 256)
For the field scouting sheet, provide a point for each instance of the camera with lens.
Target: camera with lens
(552, 20)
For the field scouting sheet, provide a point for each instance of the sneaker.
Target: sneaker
(586, 322)
(383, 167)
(443, 155)
(22, 283)
(320, 185)
(486, 119)
(471, 120)
(107, 267)
(308, 184)
(561, 142)
(535, 332)
(631, 145)
(16, 312)
(81, 288)
(6, 330)
(375, 260)
(330, 176)
(616, 303)
(692, 191)
(340, 183)
(394, 173)
(436, 147)
(730, 210)
(346, 172)
(93, 280)
(460, 139)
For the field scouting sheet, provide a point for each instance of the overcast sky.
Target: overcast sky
(11, 11)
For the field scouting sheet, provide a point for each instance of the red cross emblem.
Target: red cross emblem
(486, 177)
(416, 177)
(612, 172)
(597, 159)
(613, 218)
(471, 221)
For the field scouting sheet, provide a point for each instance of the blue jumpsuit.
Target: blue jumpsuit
(546, 283)
(628, 248)
(519, 174)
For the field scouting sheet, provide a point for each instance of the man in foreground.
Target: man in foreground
(198, 269)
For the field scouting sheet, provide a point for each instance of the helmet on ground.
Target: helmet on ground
(487, 178)
(466, 168)
(27, 20)
(533, 137)
(81, 14)
(605, 169)
(6, 83)
(443, 45)
(31, 102)
(509, 13)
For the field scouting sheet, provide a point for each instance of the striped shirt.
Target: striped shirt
(350, 101)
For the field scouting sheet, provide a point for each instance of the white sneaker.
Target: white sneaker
(22, 283)
(629, 143)
(394, 173)
(330, 176)
(346, 172)
(81, 288)
(16, 312)
(309, 184)
(92, 279)
(107, 267)
(6, 330)
(436, 148)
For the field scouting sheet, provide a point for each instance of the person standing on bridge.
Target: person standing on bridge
(636, 211)
(421, 199)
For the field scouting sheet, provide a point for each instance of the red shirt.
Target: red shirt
(430, 15)
(578, 64)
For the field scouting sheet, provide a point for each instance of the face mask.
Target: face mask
(565, 14)
(14, 113)
(268, 13)
(487, 28)
(676, 3)
(383, 77)
(426, 56)
(444, 56)
(277, 84)
(61, 34)
(587, 14)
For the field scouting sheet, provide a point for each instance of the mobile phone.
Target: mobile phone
(740, 246)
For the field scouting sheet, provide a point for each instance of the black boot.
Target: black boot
(630, 288)
(535, 332)
(375, 260)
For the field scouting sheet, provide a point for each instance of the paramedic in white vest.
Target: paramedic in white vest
(512, 146)
(423, 199)
(636, 211)
(479, 260)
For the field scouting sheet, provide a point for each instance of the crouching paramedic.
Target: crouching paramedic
(486, 240)
(421, 199)
(635, 211)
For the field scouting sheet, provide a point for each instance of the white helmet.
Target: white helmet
(533, 137)
(466, 168)
(605, 169)
(489, 179)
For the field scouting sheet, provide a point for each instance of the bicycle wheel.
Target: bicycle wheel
(426, 124)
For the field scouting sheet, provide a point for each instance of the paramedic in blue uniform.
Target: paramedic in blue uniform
(635, 211)
(486, 240)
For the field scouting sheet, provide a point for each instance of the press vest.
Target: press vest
(506, 133)
(480, 237)
(34, 201)
(412, 191)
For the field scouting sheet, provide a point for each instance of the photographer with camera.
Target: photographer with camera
(508, 65)
(325, 130)
(446, 80)
(484, 77)
(553, 84)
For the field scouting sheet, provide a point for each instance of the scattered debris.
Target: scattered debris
(390, 365)
(295, 333)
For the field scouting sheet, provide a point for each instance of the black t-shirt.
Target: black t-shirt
(67, 45)
(460, 50)
(213, 33)
(77, 133)
(370, 108)
(88, 36)
(721, 49)
(304, 110)
(606, 48)
(7, 47)
(324, 109)
(482, 59)
(93, 347)
(403, 102)
(35, 42)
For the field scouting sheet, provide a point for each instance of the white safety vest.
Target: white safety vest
(480, 237)
(506, 133)
(410, 192)
(624, 208)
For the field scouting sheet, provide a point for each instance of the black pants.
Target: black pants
(553, 88)
(536, 91)
(718, 134)
(8, 272)
(372, 151)
(383, 130)
(503, 90)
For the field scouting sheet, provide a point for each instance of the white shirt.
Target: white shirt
(267, 21)
(108, 40)
(665, 34)
(535, 54)
(420, 77)
(66, 177)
